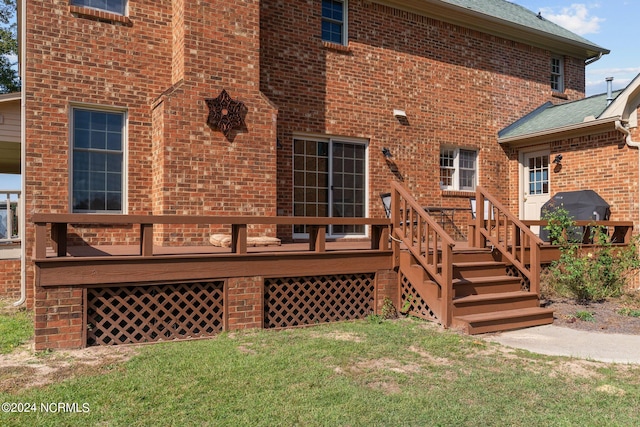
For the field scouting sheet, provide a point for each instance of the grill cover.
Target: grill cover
(581, 205)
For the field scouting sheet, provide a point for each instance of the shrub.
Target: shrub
(595, 274)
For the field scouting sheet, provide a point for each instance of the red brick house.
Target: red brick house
(276, 108)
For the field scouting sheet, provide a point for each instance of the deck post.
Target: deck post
(534, 280)
(41, 240)
(479, 239)
(447, 287)
(146, 239)
(317, 238)
(59, 238)
(395, 220)
(239, 238)
(380, 237)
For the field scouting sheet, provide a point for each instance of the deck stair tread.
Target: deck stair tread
(457, 250)
(506, 314)
(484, 279)
(472, 264)
(494, 297)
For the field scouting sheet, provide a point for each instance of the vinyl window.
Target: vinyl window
(98, 139)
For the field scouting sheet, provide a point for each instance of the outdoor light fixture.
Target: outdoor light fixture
(399, 114)
(557, 159)
(386, 152)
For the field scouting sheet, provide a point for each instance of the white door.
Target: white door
(535, 185)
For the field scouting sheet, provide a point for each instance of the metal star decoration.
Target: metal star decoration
(225, 114)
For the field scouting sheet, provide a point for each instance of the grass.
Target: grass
(585, 316)
(629, 312)
(16, 328)
(369, 373)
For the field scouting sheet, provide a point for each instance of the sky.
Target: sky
(607, 23)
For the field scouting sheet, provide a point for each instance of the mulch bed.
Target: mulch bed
(606, 317)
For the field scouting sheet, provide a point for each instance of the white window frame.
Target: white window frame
(456, 167)
(343, 23)
(124, 150)
(90, 4)
(557, 73)
(330, 141)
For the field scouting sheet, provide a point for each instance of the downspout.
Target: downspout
(22, 25)
(627, 139)
(634, 144)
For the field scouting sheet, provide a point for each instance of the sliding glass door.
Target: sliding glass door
(329, 180)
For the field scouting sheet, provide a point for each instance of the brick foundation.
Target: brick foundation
(244, 303)
(58, 318)
(59, 311)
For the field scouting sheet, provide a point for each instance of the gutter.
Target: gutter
(593, 59)
(582, 127)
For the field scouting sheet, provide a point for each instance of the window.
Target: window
(557, 74)
(114, 6)
(538, 169)
(329, 180)
(458, 169)
(334, 21)
(97, 160)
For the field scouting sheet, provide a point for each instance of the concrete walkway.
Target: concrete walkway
(559, 341)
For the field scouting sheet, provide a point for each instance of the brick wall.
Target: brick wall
(603, 163)
(159, 64)
(10, 279)
(457, 86)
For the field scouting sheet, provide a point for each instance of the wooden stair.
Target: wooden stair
(485, 298)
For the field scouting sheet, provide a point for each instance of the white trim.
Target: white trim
(125, 12)
(521, 175)
(561, 73)
(455, 179)
(125, 153)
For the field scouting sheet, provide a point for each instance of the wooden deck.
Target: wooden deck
(133, 290)
(108, 294)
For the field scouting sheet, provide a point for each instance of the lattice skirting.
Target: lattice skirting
(297, 301)
(138, 314)
(418, 306)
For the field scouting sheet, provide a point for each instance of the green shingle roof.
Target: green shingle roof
(549, 116)
(516, 14)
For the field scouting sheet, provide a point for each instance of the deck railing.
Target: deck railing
(316, 226)
(618, 232)
(9, 216)
(425, 239)
(506, 233)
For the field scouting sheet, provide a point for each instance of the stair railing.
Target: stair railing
(424, 238)
(497, 226)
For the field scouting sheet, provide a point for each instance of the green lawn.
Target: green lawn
(16, 327)
(395, 373)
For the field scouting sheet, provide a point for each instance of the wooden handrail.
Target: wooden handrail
(619, 232)
(420, 233)
(316, 227)
(108, 219)
(510, 236)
